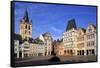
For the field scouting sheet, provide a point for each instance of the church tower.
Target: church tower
(25, 27)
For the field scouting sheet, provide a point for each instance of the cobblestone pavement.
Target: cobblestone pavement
(77, 58)
(63, 59)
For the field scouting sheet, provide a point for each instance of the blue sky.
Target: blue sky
(53, 18)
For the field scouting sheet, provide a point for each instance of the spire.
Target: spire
(26, 16)
(71, 24)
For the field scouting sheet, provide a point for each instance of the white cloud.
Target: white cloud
(56, 30)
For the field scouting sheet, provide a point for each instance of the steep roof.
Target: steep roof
(71, 24)
(26, 18)
(31, 40)
(93, 26)
(84, 30)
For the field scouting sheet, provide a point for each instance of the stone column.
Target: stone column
(22, 53)
(17, 54)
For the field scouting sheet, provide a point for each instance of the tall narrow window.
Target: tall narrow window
(93, 43)
(93, 52)
(26, 26)
(29, 32)
(29, 27)
(65, 51)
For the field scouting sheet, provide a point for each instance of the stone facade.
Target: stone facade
(17, 39)
(16, 48)
(70, 38)
(25, 48)
(47, 40)
(70, 42)
(33, 50)
(79, 42)
(59, 48)
(26, 27)
(91, 40)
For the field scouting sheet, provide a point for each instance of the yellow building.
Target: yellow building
(81, 41)
(26, 27)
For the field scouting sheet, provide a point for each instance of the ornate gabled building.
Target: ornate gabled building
(47, 40)
(25, 27)
(91, 35)
(80, 42)
(69, 38)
